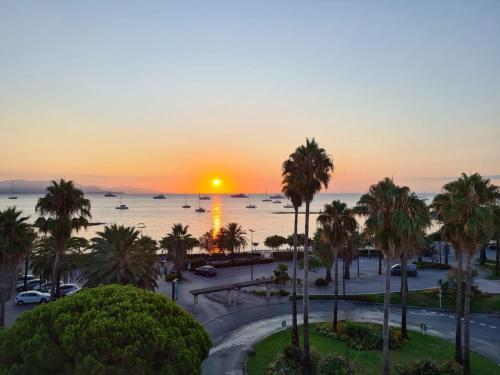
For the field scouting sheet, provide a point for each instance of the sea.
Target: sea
(155, 217)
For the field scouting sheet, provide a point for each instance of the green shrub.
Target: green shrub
(282, 365)
(105, 330)
(171, 276)
(333, 364)
(281, 274)
(427, 367)
(432, 266)
(362, 336)
(321, 282)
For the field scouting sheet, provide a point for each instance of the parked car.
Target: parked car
(65, 289)
(20, 278)
(34, 284)
(32, 296)
(206, 271)
(411, 270)
(45, 288)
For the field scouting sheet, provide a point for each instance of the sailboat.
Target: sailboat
(288, 205)
(185, 205)
(267, 199)
(121, 206)
(199, 209)
(159, 196)
(109, 195)
(251, 205)
(12, 196)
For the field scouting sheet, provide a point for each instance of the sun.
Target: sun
(216, 182)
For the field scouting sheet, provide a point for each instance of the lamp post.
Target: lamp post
(251, 252)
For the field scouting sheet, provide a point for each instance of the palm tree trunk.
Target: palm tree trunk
(295, 332)
(387, 296)
(343, 277)
(336, 290)
(446, 252)
(468, 283)
(482, 255)
(497, 255)
(458, 322)
(26, 273)
(328, 274)
(306, 359)
(380, 264)
(404, 294)
(54, 292)
(2, 311)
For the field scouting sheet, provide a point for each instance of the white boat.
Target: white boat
(12, 196)
(121, 206)
(250, 205)
(185, 205)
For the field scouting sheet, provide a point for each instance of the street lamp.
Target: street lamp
(251, 252)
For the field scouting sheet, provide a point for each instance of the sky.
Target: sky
(168, 95)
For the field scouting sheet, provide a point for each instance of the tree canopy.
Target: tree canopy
(108, 330)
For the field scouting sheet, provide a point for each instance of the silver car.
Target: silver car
(32, 296)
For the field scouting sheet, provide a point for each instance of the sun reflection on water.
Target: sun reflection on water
(216, 215)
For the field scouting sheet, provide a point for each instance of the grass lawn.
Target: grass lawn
(369, 362)
(429, 299)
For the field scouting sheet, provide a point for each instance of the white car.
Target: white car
(66, 289)
(32, 296)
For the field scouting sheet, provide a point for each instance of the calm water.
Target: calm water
(159, 215)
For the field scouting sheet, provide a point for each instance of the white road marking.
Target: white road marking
(493, 327)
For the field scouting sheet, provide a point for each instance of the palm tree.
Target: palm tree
(418, 213)
(42, 259)
(496, 236)
(388, 222)
(322, 250)
(178, 242)
(119, 257)
(308, 170)
(67, 210)
(16, 239)
(233, 237)
(335, 222)
(466, 208)
(293, 195)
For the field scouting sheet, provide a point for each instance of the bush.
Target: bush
(105, 330)
(432, 266)
(321, 282)
(362, 336)
(333, 364)
(281, 274)
(282, 365)
(427, 367)
(171, 276)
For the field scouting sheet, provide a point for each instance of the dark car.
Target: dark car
(411, 270)
(206, 271)
(31, 285)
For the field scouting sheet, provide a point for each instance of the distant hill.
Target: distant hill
(38, 187)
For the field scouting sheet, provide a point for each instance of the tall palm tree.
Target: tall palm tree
(321, 248)
(290, 191)
(177, 243)
(42, 258)
(418, 213)
(233, 238)
(310, 169)
(466, 208)
(387, 221)
(67, 210)
(16, 239)
(119, 257)
(335, 222)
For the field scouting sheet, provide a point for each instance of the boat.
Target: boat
(205, 198)
(277, 196)
(110, 194)
(121, 206)
(276, 202)
(249, 205)
(288, 205)
(159, 196)
(267, 200)
(12, 196)
(240, 195)
(199, 209)
(185, 205)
